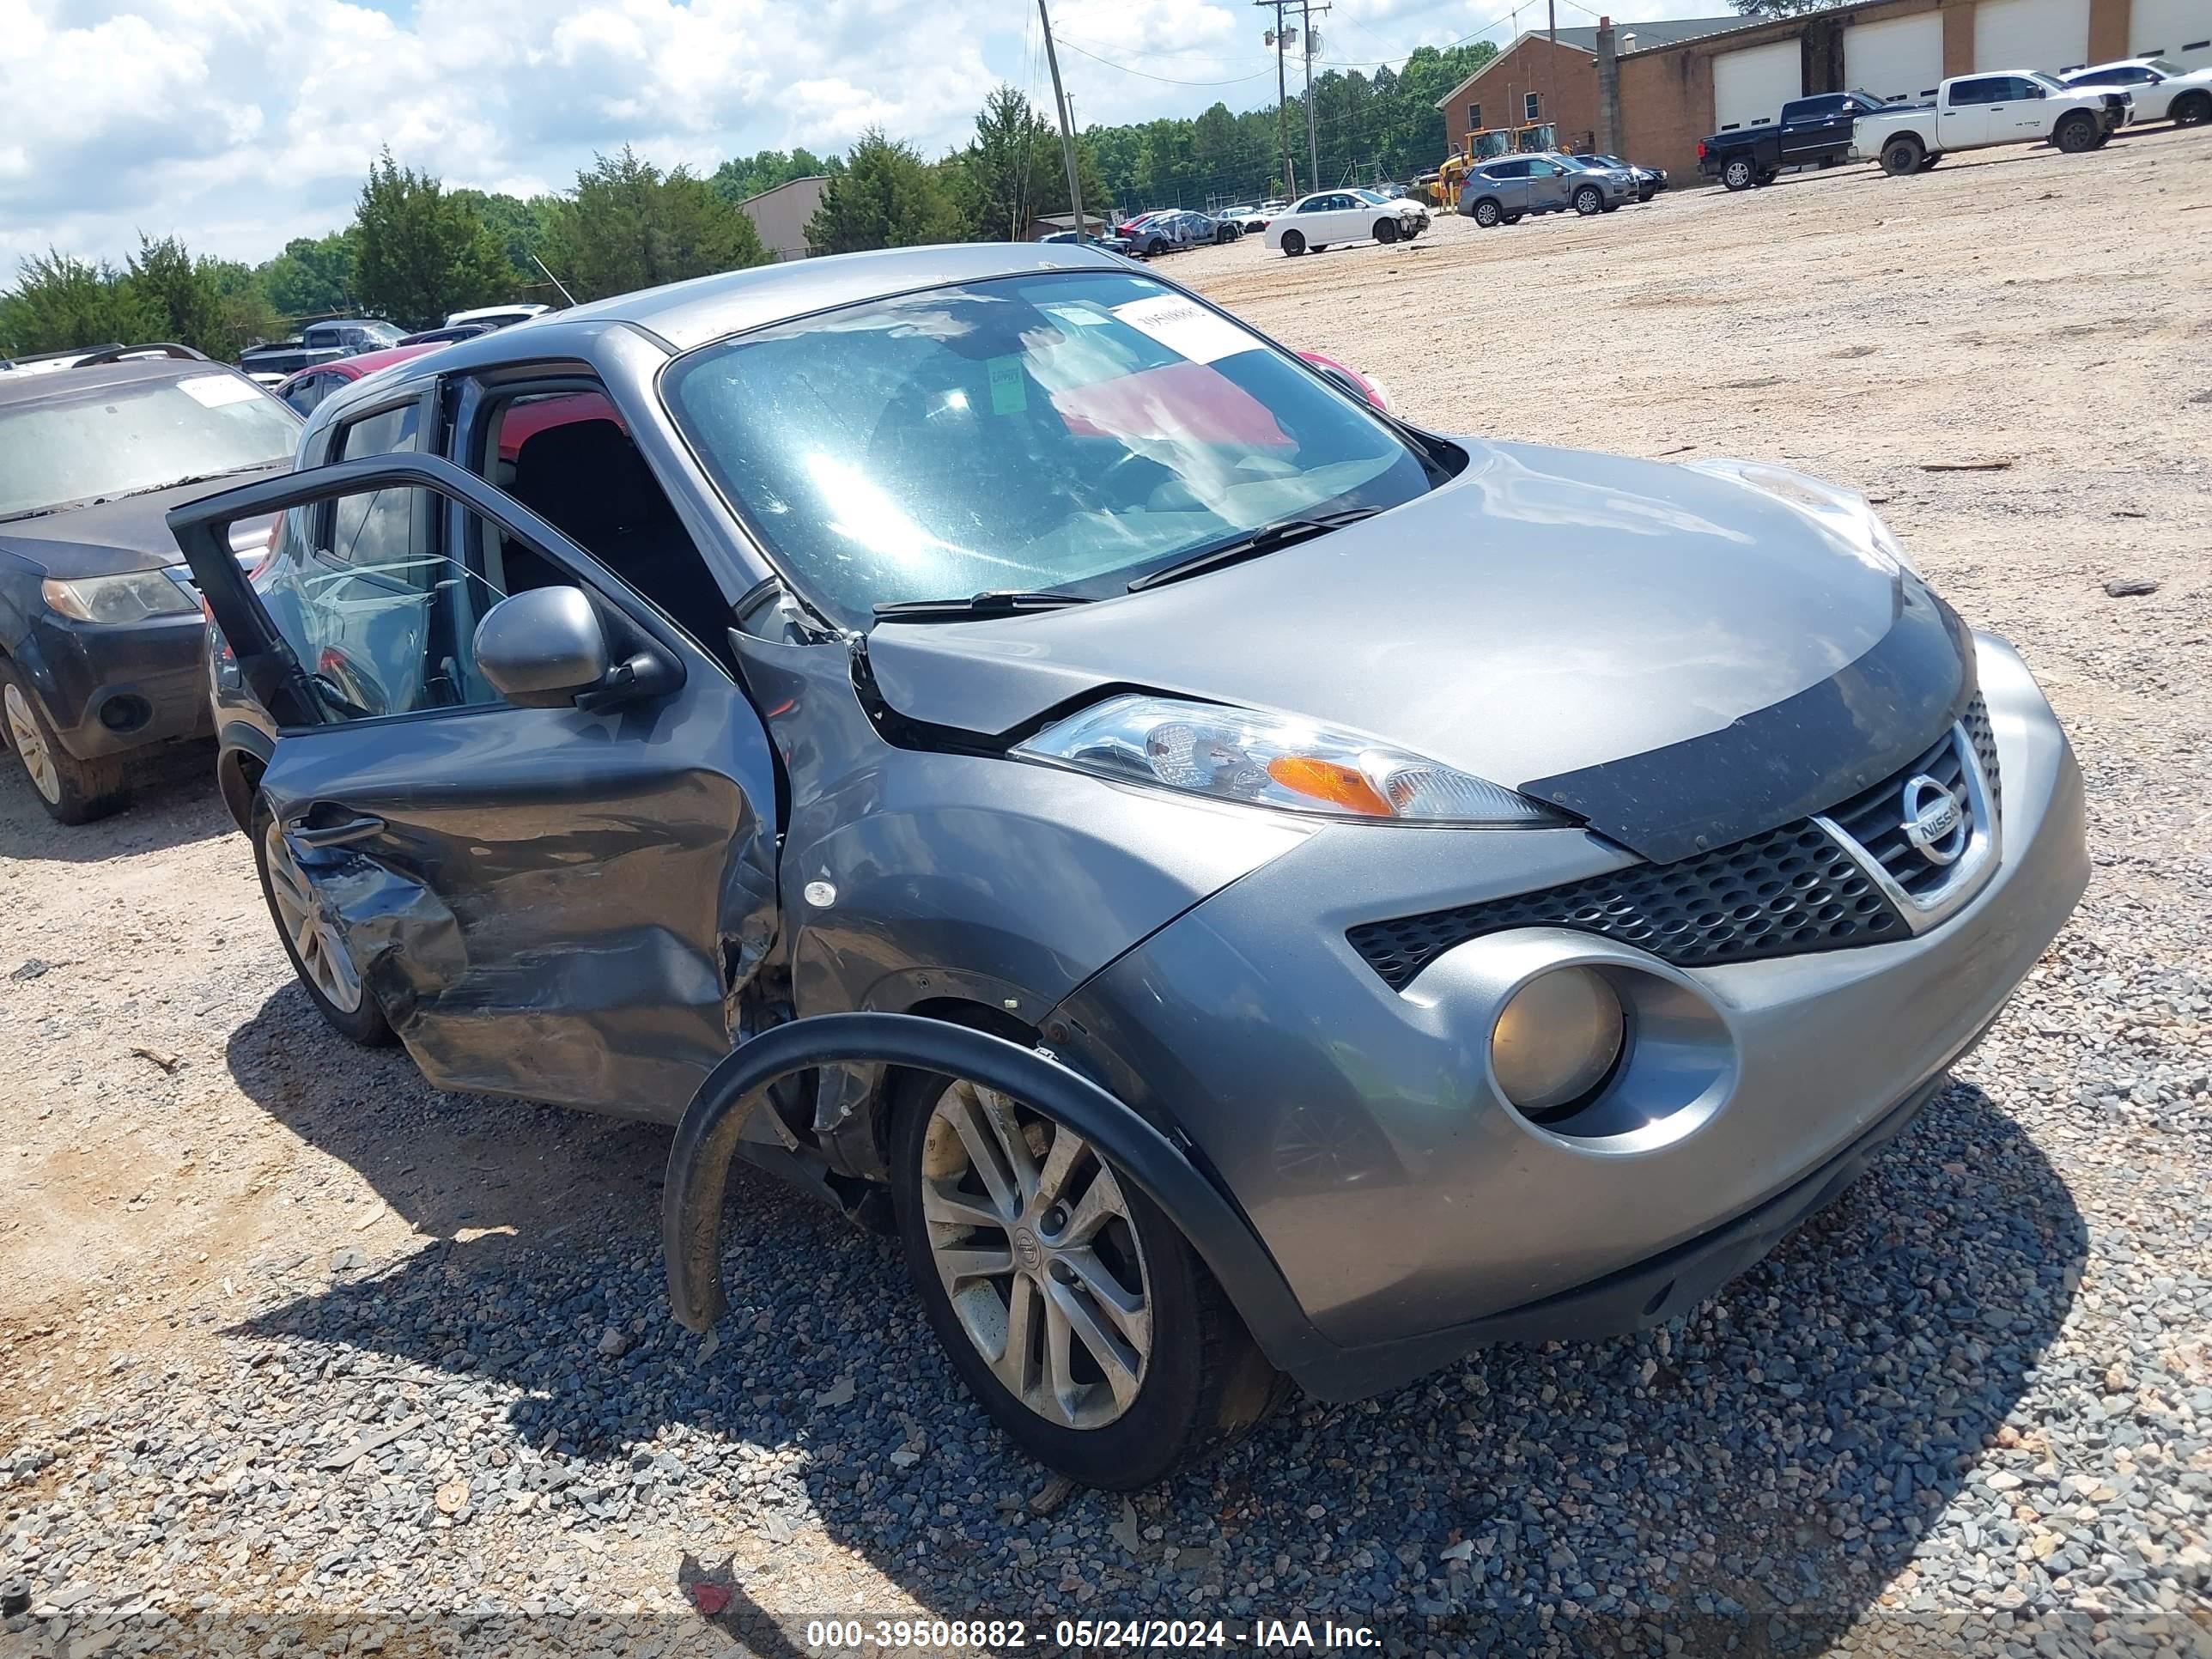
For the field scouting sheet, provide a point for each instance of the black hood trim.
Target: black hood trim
(1792, 759)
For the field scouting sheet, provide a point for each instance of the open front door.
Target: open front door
(552, 886)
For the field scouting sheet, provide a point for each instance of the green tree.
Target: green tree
(1013, 170)
(744, 177)
(523, 226)
(886, 196)
(214, 306)
(629, 226)
(423, 253)
(59, 303)
(313, 276)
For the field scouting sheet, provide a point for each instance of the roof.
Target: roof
(788, 184)
(22, 388)
(367, 362)
(1659, 32)
(683, 315)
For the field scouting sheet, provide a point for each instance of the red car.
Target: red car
(310, 387)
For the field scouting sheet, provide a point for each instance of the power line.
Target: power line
(1169, 80)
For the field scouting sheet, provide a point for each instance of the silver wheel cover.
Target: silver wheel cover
(1033, 1241)
(30, 746)
(324, 963)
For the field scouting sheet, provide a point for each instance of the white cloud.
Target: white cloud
(239, 123)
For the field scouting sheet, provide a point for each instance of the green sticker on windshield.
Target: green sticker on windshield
(1009, 392)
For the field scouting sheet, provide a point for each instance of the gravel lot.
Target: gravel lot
(297, 1354)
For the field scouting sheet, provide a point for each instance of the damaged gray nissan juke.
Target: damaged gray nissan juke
(1245, 888)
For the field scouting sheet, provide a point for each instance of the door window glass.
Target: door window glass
(569, 457)
(382, 622)
(1977, 92)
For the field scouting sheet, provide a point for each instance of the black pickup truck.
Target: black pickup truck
(1813, 132)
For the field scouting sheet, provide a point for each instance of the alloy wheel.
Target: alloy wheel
(30, 746)
(321, 952)
(1033, 1241)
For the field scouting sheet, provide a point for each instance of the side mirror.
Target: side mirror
(543, 648)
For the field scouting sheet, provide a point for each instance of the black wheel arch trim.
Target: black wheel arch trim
(707, 1138)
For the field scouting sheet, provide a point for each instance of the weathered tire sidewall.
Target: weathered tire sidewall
(1293, 244)
(90, 790)
(1901, 156)
(2191, 109)
(1147, 1442)
(366, 1024)
(2077, 134)
(1386, 231)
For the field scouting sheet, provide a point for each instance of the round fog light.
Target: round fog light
(1556, 1039)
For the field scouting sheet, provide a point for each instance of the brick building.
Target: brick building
(1533, 80)
(1672, 83)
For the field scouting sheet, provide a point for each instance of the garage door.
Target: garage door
(2180, 29)
(1750, 87)
(1900, 59)
(2035, 34)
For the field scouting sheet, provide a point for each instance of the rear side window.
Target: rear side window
(1986, 91)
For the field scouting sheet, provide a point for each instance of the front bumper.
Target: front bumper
(110, 687)
(1413, 1213)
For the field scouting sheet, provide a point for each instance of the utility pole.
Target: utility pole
(1306, 9)
(1066, 125)
(1282, 102)
(1551, 111)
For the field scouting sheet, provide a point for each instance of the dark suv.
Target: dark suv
(100, 621)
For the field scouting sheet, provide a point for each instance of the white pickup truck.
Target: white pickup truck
(2000, 106)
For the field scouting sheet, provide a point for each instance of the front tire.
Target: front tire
(1386, 231)
(1738, 173)
(1901, 156)
(1589, 201)
(318, 954)
(2191, 109)
(1075, 1312)
(1293, 244)
(2076, 133)
(72, 791)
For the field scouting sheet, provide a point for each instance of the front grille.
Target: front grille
(1782, 893)
(1875, 817)
(1984, 739)
(1787, 891)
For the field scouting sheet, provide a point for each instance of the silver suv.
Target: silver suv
(1501, 192)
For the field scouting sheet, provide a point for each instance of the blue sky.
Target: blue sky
(239, 123)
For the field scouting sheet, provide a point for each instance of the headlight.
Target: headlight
(1556, 1039)
(1840, 508)
(129, 597)
(1268, 760)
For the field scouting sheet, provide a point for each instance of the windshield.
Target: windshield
(112, 440)
(1069, 430)
(2164, 66)
(2049, 83)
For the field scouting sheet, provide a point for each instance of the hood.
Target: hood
(131, 533)
(1667, 654)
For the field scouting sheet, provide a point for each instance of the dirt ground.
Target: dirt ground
(182, 1144)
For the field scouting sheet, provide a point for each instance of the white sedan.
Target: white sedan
(2162, 89)
(1335, 216)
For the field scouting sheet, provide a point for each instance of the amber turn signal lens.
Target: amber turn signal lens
(1327, 780)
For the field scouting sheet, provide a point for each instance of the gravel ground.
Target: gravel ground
(302, 1356)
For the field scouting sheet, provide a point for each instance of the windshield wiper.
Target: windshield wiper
(998, 603)
(1266, 539)
(193, 478)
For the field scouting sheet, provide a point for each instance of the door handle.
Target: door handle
(334, 834)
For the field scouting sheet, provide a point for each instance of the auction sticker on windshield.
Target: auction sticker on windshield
(1186, 327)
(214, 391)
